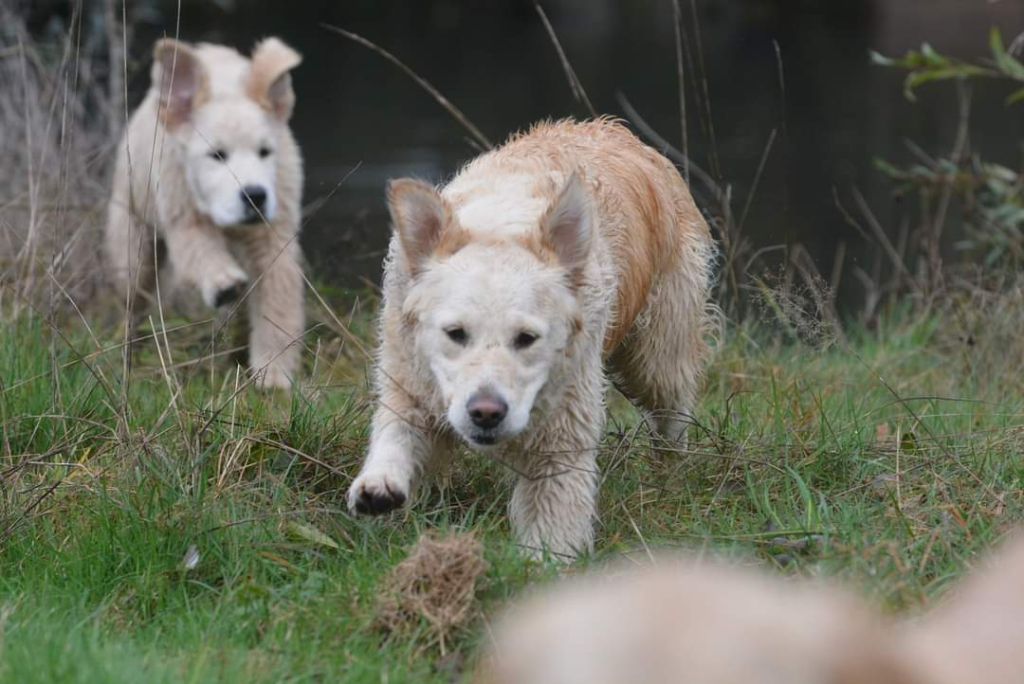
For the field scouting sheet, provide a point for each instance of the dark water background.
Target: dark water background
(493, 59)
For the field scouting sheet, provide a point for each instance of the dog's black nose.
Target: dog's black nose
(254, 197)
(486, 410)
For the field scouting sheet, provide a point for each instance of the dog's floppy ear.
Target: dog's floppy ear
(567, 227)
(179, 78)
(269, 83)
(423, 221)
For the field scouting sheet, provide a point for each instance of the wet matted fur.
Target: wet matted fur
(571, 255)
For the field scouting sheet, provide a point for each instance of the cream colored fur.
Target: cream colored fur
(699, 622)
(571, 255)
(211, 134)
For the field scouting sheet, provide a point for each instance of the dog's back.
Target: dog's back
(646, 216)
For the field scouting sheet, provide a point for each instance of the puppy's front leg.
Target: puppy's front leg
(400, 444)
(199, 254)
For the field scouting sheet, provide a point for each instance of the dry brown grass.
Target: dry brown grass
(435, 584)
(56, 140)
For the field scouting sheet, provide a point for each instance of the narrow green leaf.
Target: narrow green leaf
(995, 41)
(308, 533)
(881, 60)
(1006, 62)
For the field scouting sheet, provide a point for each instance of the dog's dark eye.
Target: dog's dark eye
(219, 154)
(524, 340)
(457, 335)
(265, 152)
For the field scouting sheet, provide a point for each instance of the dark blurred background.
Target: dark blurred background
(834, 116)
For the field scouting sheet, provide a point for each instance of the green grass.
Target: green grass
(106, 487)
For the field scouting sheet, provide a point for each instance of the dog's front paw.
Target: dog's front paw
(224, 287)
(375, 493)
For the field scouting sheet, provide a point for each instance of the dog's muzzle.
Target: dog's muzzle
(486, 410)
(254, 201)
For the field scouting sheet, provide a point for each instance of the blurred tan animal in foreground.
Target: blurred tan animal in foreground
(697, 622)
(209, 168)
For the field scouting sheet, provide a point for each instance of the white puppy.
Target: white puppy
(209, 167)
(571, 253)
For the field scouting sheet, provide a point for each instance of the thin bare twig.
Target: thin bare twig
(709, 122)
(876, 228)
(677, 25)
(757, 179)
(666, 148)
(574, 82)
(473, 131)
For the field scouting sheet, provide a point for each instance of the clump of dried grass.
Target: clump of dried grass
(436, 584)
(982, 326)
(797, 301)
(58, 127)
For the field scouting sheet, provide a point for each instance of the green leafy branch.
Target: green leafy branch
(927, 65)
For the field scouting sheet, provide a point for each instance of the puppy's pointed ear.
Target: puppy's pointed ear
(270, 83)
(568, 225)
(180, 79)
(422, 219)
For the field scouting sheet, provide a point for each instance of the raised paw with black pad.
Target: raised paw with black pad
(378, 501)
(228, 295)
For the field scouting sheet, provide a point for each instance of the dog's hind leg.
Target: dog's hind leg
(660, 363)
